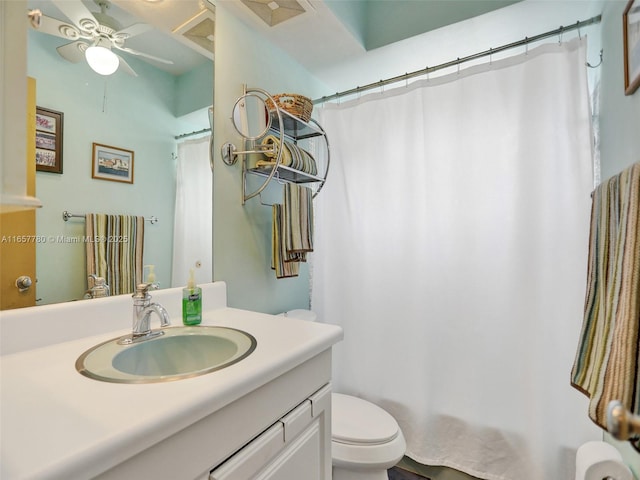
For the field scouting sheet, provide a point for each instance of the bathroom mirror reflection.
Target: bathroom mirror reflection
(160, 112)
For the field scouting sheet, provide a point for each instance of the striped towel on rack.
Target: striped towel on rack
(283, 263)
(114, 248)
(292, 231)
(606, 362)
(298, 215)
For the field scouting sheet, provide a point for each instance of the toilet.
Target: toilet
(365, 439)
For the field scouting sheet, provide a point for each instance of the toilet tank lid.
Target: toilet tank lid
(302, 314)
(355, 421)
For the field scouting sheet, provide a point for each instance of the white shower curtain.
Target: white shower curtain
(192, 232)
(451, 246)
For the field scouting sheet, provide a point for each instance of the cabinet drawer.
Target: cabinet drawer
(296, 420)
(252, 458)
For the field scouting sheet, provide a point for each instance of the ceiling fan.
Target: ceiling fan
(95, 36)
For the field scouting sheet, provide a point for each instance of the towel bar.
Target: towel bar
(66, 216)
(622, 424)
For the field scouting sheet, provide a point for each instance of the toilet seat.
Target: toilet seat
(355, 421)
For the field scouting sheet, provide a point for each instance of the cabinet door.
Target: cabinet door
(252, 458)
(300, 459)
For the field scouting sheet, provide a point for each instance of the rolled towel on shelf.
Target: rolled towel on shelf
(598, 461)
(274, 142)
(292, 156)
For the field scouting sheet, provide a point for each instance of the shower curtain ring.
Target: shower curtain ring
(526, 45)
(599, 63)
(458, 65)
(560, 35)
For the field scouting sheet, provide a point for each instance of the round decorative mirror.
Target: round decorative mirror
(251, 116)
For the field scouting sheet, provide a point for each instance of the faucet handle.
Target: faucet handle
(142, 290)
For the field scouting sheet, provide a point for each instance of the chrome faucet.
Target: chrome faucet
(99, 288)
(142, 310)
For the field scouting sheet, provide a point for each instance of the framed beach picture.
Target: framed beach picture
(631, 33)
(112, 163)
(49, 129)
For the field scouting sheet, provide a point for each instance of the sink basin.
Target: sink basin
(181, 352)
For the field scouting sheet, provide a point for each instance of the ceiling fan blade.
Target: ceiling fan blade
(133, 30)
(125, 67)
(73, 52)
(55, 27)
(146, 55)
(77, 13)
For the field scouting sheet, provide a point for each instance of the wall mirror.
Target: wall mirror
(150, 113)
(251, 117)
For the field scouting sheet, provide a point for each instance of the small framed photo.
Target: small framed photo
(631, 33)
(49, 134)
(112, 163)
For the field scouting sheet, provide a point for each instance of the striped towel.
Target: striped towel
(114, 249)
(284, 264)
(292, 156)
(606, 363)
(292, 231)
(298, 218)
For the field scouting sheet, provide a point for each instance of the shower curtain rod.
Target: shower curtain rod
(399, 78)
(191, 134)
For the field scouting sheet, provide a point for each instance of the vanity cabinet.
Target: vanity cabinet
(267, 416)
(291, 449)
(280, 431)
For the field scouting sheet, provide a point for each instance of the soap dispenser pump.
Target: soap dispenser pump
(151, 276)
(191, 302)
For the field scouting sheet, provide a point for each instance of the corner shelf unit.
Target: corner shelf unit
(284, 126)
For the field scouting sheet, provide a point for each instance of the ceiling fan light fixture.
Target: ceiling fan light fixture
(102, 60)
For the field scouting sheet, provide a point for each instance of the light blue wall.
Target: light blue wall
(619, 114)
(354, 16)
(134, 113)
(242, 234)
(194, 90)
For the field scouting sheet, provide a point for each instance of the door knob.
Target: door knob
(23, 283)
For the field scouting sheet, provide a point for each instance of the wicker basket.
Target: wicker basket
(297, 105)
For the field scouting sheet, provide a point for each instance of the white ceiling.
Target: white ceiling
(331, 32)
(317, 38)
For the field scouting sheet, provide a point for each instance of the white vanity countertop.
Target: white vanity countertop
(57, 423)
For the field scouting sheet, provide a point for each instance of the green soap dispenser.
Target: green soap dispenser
(191, 302)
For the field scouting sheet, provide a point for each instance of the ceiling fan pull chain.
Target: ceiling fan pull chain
(104, 97)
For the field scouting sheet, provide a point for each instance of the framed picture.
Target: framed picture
(112, 163)
(631, 33)
(49, 128)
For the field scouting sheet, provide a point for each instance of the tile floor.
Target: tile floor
(399, 474)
